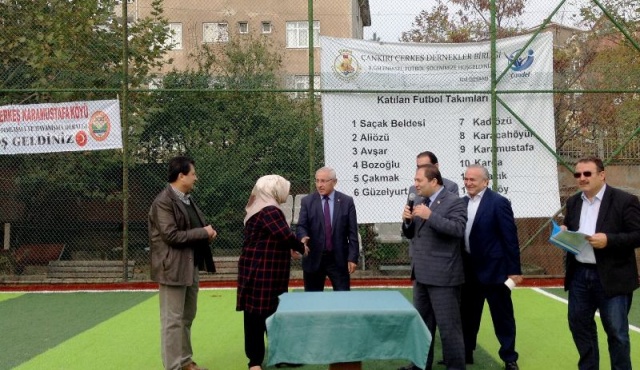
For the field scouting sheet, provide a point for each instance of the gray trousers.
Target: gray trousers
(178, 305)
(441, 306)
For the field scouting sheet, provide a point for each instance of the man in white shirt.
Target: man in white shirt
(604, 276)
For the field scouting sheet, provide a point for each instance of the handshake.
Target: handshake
(297, 255)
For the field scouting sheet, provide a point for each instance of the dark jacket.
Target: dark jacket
(619, 219)
(172, 240)
(344, 231)
(265, 261)
(495, 251)
(436, 256)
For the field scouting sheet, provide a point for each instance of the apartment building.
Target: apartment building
(284, 22)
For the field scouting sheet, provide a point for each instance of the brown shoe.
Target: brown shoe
(193, 366)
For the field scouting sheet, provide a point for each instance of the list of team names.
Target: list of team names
(372, 141)
(376, 170)
(376, 143)
(475, 145)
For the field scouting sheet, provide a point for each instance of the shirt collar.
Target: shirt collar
(330, 195)
(435, 195)
(598, 196)
(185, 198)
(478, 196)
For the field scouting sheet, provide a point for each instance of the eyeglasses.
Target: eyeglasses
(585, 174)
(323, 181)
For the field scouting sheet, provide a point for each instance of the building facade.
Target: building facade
(284, 22)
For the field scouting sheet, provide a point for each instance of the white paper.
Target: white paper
(510, 283)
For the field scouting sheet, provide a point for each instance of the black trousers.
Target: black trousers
(498, 296)
(340, 279)
(254, 329)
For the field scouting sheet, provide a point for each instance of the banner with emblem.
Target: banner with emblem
(383, 103)
(60, 127)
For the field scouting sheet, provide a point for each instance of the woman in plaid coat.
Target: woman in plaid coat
(265, 261)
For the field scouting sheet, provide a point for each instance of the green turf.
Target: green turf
(7, 296)
(121, 331)
(33, 323)
(634, 314)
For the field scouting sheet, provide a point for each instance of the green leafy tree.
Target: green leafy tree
(234, 126)
(59, 50)
(600, 58)
(465, 21)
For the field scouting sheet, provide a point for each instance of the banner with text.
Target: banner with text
(372, 139)
(60, 127)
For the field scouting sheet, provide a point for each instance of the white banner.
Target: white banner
(372, 139)
(60, 127)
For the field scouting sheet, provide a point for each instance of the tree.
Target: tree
(57, 44)
(469, 22)
(600, 58)
(233, 126)
(63, 50)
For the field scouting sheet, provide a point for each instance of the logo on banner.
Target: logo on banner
(345, 65)
(99, 126)
(523, 62)
(81, 138)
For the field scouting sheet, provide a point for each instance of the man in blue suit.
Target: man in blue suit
(328, 221)
(491, 259)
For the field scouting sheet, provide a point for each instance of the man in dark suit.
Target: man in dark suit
(422, 159)
(604, 275)
(179, 239)
(328, 222)
(491, 261)
(436, 228)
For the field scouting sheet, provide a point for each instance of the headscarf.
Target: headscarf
(269, 190)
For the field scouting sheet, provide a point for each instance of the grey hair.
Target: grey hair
(485, 172)
(332, 172)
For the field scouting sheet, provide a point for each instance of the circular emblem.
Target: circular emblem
(345, 65)
(99, 126)
(81, 138)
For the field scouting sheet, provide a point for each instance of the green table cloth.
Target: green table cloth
(330, 327)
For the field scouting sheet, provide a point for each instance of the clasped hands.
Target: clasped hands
(211, 232)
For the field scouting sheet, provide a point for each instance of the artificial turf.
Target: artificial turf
(121, 330)
(32, 324)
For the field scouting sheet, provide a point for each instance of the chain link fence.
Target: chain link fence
(237, 92)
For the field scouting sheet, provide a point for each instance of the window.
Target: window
(298, 34)
(215, 32)
(174, 39)
(266, 27)
(301, 82)
(243, 27)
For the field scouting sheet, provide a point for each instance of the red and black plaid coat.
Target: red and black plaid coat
(265, 261)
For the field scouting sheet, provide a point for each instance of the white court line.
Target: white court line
(559, 299)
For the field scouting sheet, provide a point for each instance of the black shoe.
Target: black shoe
(286, 364)
(511, 366)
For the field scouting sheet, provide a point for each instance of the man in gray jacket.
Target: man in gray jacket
(436, 228)
(179, 240)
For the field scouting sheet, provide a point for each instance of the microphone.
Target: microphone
(412, 197)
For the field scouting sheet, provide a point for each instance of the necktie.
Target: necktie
(427, 201)
(328, 243)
